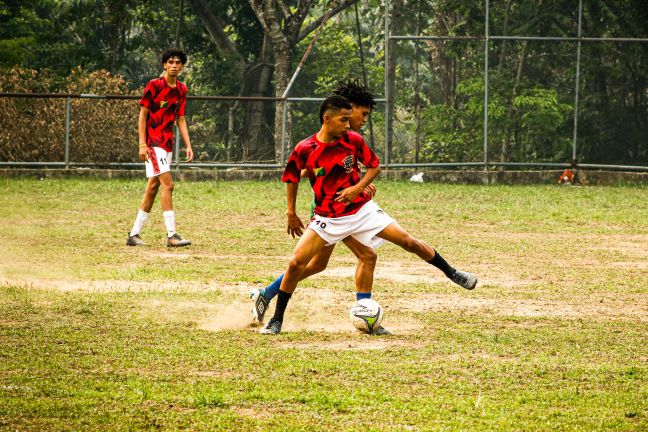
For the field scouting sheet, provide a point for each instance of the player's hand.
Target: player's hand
(348, 194)
(143, 153)
(370, 190)
(295, 226)
(189, 154)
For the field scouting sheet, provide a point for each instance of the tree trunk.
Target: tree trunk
(512, 117)
(282, 76)
(283, 27)
(258, 80)
(507, 12)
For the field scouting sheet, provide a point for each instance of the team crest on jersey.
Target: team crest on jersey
(348, 163)
(164, 104)
(319, 171)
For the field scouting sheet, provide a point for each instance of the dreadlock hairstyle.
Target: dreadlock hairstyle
(356, 93)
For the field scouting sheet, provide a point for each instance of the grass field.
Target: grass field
(98, 336)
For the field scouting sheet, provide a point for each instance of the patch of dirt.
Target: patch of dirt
(219, 374)
(361, 342)
(9, 323)
(232, 312)
(416, 272)
(596, 306)
(114, 285)
(632, 265)
(259, 412)
(155, 253)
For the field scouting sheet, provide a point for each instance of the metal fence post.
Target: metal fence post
(387, 95)
(177, 148)
(284, 119)
(486, 88)
(576, 93)
(67, 133)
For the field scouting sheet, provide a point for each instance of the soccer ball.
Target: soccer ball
(366, 315)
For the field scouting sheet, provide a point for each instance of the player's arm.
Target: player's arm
(295, 225)
(141, 132)
(350, 193)
(184, 133)
(371, 189)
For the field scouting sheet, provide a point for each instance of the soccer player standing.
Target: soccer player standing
(163, 104)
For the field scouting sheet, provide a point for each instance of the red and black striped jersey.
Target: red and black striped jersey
(165, 105)
(332, 167)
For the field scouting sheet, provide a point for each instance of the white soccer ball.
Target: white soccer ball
(366, 315)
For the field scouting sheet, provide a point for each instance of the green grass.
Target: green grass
(97, 336)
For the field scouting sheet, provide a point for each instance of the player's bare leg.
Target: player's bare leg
(367, 259)
(173, 238)
(318, 263)
(261, 297)
(166, 180)
(396, 234)
(308, 246)
(152, 186)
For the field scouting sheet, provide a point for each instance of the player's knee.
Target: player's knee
(169, 187)
(152, 189)
(369, 257)
(297, 264)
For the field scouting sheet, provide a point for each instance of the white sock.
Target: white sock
(140, 220)
(169, 221)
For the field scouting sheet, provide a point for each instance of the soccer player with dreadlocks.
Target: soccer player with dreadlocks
(362, 103)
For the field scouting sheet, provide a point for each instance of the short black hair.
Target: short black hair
(356, 93)
(174, 52)
(333, 103)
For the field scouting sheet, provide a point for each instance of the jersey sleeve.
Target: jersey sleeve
(182, 101)
(149, 95)
(295, 164)
(364, 154)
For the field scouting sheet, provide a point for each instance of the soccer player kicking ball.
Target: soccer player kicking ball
(343, 209)
(163, 103)
(362, 104)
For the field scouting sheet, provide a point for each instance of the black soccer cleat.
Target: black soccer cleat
(381, 331)
(176, 241)
(273, 327)
(464, 279)
(134, 240)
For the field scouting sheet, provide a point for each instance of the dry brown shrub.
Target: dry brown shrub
(101, 131)
(33, 128)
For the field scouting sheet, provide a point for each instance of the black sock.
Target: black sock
(442, 264)
(282, 303)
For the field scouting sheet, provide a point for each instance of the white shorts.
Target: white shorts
(158, 162)
(363, 226)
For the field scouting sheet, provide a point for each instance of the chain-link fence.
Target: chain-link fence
(509, 97)
(502, 98)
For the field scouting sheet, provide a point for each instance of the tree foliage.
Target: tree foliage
(251, 48)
